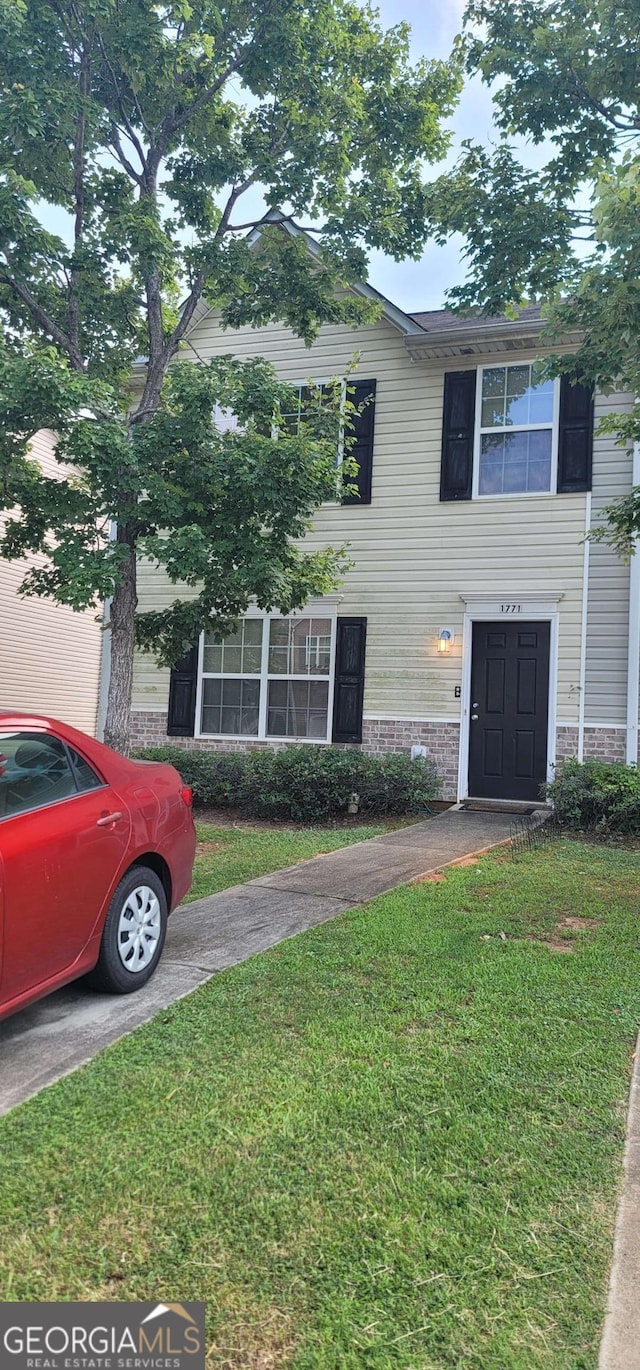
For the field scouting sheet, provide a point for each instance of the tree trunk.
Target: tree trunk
(122, 629)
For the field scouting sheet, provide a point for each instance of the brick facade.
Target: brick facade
(148, 729)
(566, 741)
(381, 735)
(606, 744)
(442, 741)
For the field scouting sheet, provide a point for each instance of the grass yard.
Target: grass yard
(393, 1141)
(232, 854)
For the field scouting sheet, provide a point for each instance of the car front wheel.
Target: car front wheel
(133, 935)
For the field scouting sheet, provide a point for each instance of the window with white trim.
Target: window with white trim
(273, 678)
(516, 430)
(293, 417)
(304, 392)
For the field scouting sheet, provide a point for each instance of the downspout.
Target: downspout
(633, 660)
(583, 629)
(105, 658)
(105, 671)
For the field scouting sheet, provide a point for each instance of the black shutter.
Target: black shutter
(575, 437)
(349, 680)
(362, 449)
(182, 696)
(456, 472)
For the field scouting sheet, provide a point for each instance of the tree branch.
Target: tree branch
(114, 140)
(187, 313)
(172, 125)
(235, 195)
(191, 303)
(253, 223)
(161, 353)
(624, 127)
(78, 190)
(131, 133)
(41, 317)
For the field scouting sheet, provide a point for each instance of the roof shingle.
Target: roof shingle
(433, 320)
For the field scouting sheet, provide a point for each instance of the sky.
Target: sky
(422, 285)
(412, 285)
(416, 285)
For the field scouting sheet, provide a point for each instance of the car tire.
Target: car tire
(133, 935)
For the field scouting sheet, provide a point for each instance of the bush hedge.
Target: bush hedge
(597, 795)
(303, 783)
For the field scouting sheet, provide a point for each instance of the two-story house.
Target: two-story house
(476, 620)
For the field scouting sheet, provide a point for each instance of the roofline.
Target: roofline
(478, 337)
(481, 328)
(475, 335)
(481, 337)
(390, 311)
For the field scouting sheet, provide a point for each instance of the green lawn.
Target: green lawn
(230, 855)
(393, 1141)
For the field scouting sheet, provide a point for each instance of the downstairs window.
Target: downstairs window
(271, 679)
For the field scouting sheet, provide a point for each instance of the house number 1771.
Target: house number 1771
(510, 608)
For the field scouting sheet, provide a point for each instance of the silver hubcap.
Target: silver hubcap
(139, 929)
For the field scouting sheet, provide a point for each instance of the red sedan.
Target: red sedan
(95, 852)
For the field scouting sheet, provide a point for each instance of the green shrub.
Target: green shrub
(597, 795)
(214, 786)
(305, 783)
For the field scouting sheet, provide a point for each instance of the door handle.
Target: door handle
(107, 819)
(474, 717)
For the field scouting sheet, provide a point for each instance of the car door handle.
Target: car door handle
(107, 819)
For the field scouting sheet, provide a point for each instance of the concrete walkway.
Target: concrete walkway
(64, 1031)
(620, 1347)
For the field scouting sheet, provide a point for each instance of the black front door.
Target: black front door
(509, 710)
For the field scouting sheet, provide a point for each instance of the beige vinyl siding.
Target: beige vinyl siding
(608, 605)
(49, 655)
(413, 556)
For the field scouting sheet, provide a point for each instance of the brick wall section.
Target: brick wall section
(382, 735)
(149, 730)
(566, 742)
(442, 741)
(379, 736)
(605, 744)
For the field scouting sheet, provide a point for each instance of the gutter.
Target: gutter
(633, 659)
(477, 337)
(474, 333)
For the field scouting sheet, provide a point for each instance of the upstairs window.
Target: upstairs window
(516, 431)
(309, 404)
(361, 395)
(293, 417)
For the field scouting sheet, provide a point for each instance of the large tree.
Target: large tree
(149, 124)
(566, 78)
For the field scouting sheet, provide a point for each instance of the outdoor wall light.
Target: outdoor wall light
(446, 639)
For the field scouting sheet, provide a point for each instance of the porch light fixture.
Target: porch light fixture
(446, 639)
